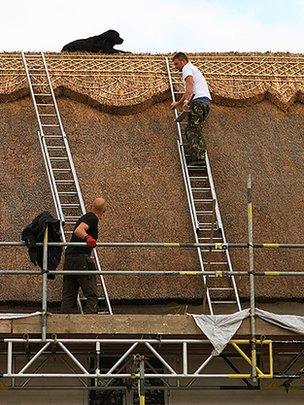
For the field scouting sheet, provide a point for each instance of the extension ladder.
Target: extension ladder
(65, 189)
(220, 292)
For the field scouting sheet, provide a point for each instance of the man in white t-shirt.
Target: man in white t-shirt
(197, 100)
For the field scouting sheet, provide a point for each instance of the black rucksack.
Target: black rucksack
(34, 233)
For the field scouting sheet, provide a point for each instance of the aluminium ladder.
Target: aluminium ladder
(65, 189)
(220, 292)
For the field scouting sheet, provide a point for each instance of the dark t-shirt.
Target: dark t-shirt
(90, 219)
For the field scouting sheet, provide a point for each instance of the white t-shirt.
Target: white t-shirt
(200, 86)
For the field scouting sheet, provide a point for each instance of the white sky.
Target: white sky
(156, 25)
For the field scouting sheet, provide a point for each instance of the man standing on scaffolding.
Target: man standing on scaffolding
(196, 100)
(78, 258)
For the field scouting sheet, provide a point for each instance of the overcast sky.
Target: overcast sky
(156, 25)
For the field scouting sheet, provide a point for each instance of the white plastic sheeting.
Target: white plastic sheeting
(295, 323)
(219, 329)
(17, 316)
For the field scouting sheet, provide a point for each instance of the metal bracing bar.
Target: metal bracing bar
(24, 384)
(72, 357)
(97, 348)
(123, 358)
(141, 383)
(82, 381)
(202, 366)
(155, 371)
(44, 285)
(149, 388)
(9, 357)
(186, 245)
(160, 358)
(185, 358)
(236, 370)
(119, 370)
(34, 358)
(114, 341)
(189, 273)
(246, 358)
(251, 280)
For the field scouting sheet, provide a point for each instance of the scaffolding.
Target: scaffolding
(130, 367)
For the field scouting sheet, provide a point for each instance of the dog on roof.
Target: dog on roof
(103, 43)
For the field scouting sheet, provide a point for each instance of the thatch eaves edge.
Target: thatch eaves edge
(126, 83)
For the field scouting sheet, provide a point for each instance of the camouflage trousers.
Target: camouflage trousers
(194, 131)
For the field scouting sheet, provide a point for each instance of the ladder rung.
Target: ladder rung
(213, 238)
(52, 136)
(58, 158)
(44, 104)
(56, 147)
(70, 205)
(55, 169)
(71, 217)
(202, 189)
(48, 115)
(200, 167)
(50, 125)
(43, 94)
(216, 263)
(204, 212)
(64, 181)
(203, 200)
(213, 251)
(223, 302)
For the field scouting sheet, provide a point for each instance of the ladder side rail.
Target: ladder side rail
(75, 178)
(103, 282)
(187, 183)
(220, 223)
(52, 190)
(69, 154)
(182, 157)
(43, 147)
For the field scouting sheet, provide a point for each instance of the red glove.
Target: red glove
(91, 242)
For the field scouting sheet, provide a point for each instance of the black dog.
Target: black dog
(103, 43)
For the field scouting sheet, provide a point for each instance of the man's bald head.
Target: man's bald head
(99, 206)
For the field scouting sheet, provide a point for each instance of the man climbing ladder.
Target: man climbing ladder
(195, 103)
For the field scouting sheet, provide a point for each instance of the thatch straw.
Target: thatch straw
(126, 83)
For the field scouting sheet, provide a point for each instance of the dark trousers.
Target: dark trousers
(71, 285)
(194, 131)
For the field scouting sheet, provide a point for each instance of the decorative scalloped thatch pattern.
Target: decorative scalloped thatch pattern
(121, 82)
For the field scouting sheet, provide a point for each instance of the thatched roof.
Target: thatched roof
(125, 83)
(133, 159)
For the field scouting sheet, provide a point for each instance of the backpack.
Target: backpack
(34, 233)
